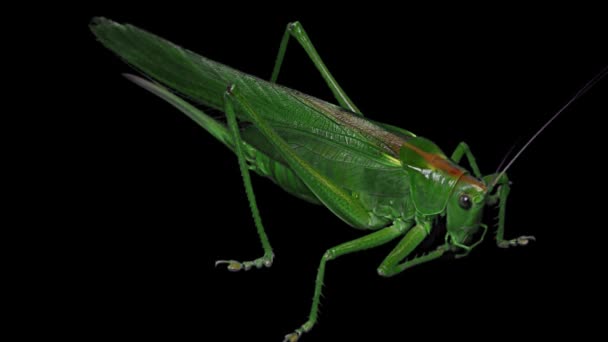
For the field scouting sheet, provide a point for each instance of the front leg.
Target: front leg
(335, 198)
(392, 264)
(500, 197)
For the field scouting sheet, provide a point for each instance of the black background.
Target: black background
(159, 199)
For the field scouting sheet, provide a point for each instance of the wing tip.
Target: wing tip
(99, 21)
(150, 86)
(100, 24)
(142, 82)
(133, 78)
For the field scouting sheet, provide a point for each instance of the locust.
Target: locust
(383, 180)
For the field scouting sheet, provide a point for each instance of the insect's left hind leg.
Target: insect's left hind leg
(461, 150)
(500, 197)
(296, 31)
(267, 258)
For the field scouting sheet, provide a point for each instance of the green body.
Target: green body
(371, 175)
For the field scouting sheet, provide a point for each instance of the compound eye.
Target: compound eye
(465, 202)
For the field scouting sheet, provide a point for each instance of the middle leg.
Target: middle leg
(369, 241)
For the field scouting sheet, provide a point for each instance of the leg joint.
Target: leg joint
(294, 26)
(464, 145)
(383, 272)
(330, 254)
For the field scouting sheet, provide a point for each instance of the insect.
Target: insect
(376, 177)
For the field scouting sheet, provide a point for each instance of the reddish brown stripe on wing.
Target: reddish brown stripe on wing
(474, 181)
(441, 163)
(437, 161)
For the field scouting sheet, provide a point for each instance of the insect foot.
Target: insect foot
(235, 266)
(295, 336)
(520, 241)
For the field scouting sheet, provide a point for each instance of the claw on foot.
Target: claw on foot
(520, 241)
(293, 337)
(235, 266)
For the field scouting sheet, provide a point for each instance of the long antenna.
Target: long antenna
(580, 93)
(506, 157)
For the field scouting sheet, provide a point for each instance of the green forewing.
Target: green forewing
(196, 77)
(350, 151)
(402, 133)
(261, 163)
(411, 151)
(347, 167)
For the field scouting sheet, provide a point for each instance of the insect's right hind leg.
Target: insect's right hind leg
(296, 31)
(267, 258)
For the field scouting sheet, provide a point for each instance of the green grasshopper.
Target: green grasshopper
(373, 176)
